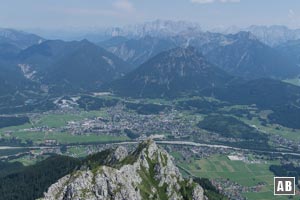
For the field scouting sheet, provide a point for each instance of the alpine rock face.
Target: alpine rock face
(137, 50)
(146, 173)
(157, 28)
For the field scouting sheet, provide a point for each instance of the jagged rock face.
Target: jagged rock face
(120, 153)
(146, 173)
(138, 50)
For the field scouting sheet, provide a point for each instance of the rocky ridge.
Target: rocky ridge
(146, 173)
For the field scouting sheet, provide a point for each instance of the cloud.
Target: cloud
(202, 1)
(291, 13)
(123, 5)
(213, 1)
(230, 1)
(293, 18)
(119, 8)
(86, 12)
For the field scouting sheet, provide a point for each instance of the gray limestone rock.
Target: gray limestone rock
(146, 173)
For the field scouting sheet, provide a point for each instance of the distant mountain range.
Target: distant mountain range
(240, 54)
(11, 44)
(20, 39)
(270, 35)
(171, 73)
(137, 51)
(245, 56)
(70, 66)
(57, 67)
(157, 28)
(155, 60)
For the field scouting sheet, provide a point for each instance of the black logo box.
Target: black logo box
(283, 181)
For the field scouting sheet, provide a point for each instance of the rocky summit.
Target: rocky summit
(148, 172)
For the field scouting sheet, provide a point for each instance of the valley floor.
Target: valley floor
(238, 165)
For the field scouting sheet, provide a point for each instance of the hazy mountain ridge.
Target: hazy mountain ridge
(274, 35)
(55, 67)
(19, 38)
(71, 65)
(11, 43)
(137, 51)
(290, 49)
(271, 35)
(171, 73)
(241, 54)
(156, 28)
(245, 56)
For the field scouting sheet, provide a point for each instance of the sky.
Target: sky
(86, 14)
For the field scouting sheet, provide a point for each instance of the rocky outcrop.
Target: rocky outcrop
(146, 173)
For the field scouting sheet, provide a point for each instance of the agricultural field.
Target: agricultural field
(48, 126)
(240, 172)
(56, 120)
(288, 133)
(66, 138)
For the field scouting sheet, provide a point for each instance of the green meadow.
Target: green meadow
(245, 174)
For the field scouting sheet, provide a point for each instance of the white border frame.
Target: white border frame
(285, 194)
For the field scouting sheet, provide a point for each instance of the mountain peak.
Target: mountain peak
(146, 173)
(19, 38)
(157, 27)
(246, 35)
(72, 66)
(247, 57)
(184, 52)
(85, 40)
(169, 74)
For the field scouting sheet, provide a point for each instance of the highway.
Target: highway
(170, 142)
